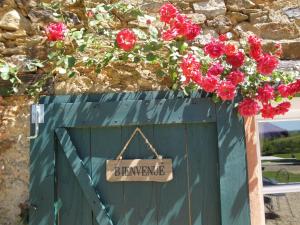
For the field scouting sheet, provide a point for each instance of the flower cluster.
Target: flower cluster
(178, 24)
(220, 67)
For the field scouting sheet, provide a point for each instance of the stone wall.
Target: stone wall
(21, 23)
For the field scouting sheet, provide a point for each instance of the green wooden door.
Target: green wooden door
(205, 141)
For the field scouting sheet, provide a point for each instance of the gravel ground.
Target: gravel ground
(286, 210)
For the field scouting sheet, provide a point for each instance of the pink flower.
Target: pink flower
(56, 31)
(126, 39)
(248, 107)
(167, 12)
(226, 90)
(236, 60)
(265, 93)
(215, 70)
(236, 77)
(267, 64)
(190, 67)
(214, 49)
(209, 83)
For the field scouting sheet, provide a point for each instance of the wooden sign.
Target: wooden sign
(157, 170)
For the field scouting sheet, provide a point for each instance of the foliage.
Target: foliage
(174, 48)
(8, 72)
(282, 145)
(282, 177)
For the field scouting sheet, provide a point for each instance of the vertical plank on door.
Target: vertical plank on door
(234, 193)
(106, 144)
(172, 197)
(139, 205)
(75, 208)
(203, 173)
(41, 188)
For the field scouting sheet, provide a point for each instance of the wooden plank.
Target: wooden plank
(202, 150)
(106, 144)
(83, 178)
(139, 206)
(136, 112)
(75, 208)
(113, 97)
(158, 170)
(172, 197)
(41, 188)
(232, 166)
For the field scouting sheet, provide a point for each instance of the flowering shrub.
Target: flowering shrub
(221, 67)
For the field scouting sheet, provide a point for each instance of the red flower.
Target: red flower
(294, 87)
(209, 83)
(192, 31)
(255, 47)
(268, 111)
(236, 60)
(223, 37)
(215, 70)
(278, 52)
(284, 90)
(265, 93)
(170, 34)
(226, 90)
(167, 12)
(282, 108)
(214, 49)
(267, 64)
(248, 107)
(230, 49)
(236, 77)
(90, 13)
(126, 39)
(56, 31)
(190, 67)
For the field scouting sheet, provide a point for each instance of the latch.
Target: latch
(37, 117)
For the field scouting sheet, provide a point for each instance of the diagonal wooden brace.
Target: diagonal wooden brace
(85, 182)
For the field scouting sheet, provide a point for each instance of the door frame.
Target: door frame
(110, 110)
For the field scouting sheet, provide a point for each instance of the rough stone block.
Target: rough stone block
(210, 8)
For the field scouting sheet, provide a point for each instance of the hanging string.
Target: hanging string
(138, 130)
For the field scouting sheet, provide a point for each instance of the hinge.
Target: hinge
(37, 113)
(37, 117)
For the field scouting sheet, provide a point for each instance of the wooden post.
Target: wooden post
(257, 211)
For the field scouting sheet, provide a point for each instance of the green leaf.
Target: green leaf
(4, 72)
(160, 73)
(151, 57)
(153, 31)
(4, 75)
(70, 61)
(81, 48)
(71, 74)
